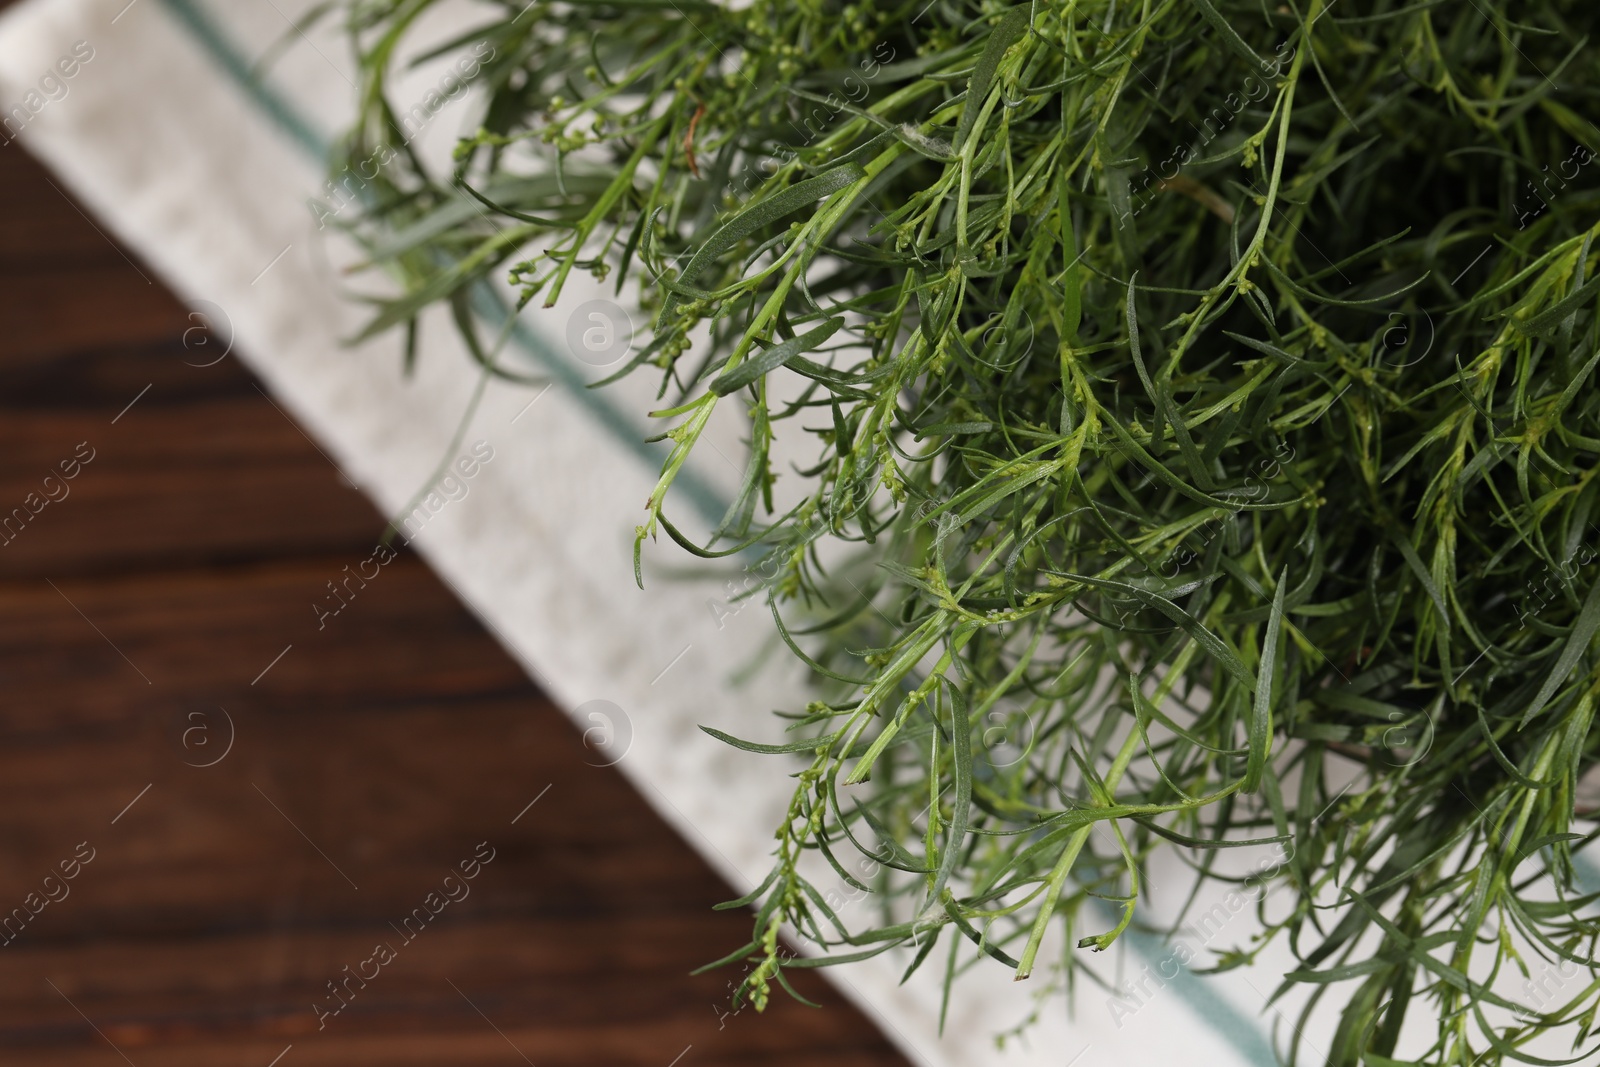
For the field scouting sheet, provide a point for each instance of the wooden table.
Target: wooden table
(162, 605)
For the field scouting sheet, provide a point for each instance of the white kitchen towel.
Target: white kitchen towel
(216, 175)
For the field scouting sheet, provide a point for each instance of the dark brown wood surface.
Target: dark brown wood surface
(369, 760)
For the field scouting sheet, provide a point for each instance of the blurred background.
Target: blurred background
(220, 901)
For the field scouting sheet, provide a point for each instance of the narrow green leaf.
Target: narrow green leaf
(1010, 30)
(775, 357)
(1577, 643)
(1261, 706)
